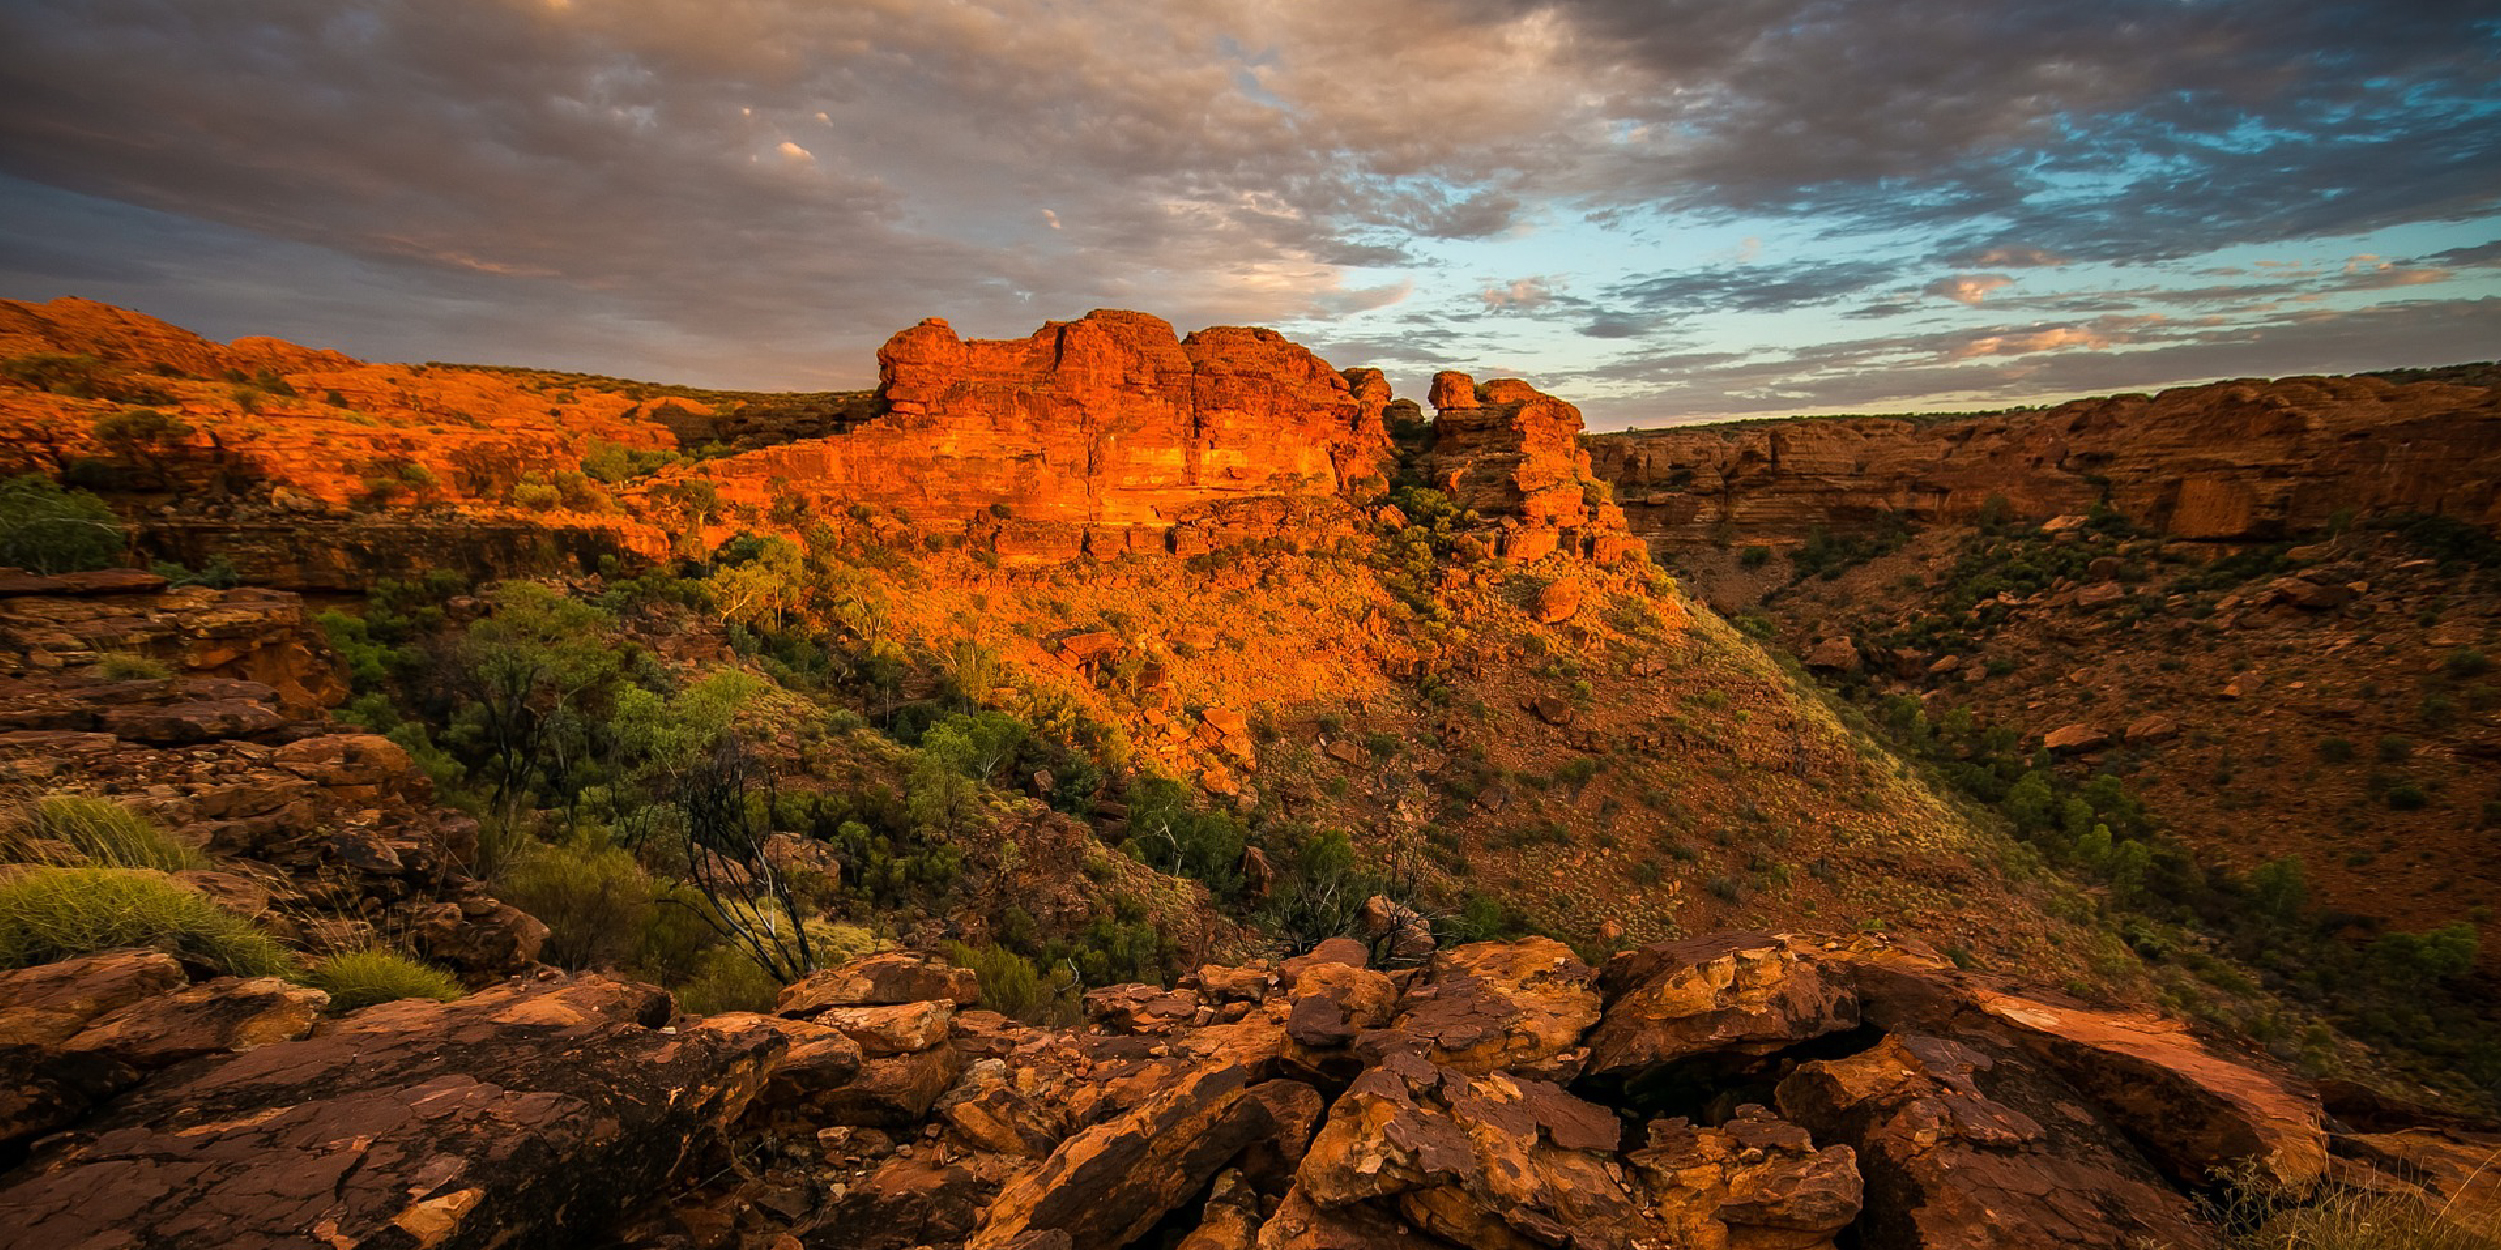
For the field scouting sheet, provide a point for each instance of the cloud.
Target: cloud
(758, 193)
(1967, 288)
(2006, 257)
(2478, 256)
(1518, 294)
(1750, 287)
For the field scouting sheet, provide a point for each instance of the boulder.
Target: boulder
(227, 1014)
(2193, 1110)
(1559, 600)
(1833, 655)
(2152, 727)
(2075, 739)
(883, 980)
(1755, 1181)
(897, 1030)
(1500, 1005)
(1746, 994)
(1480, 1161)
(892, 1091)
(1963, 1149)
(1111, 1182)
(49, 1003)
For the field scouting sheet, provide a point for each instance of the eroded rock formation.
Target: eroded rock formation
(1105, 435)
(1512, 454)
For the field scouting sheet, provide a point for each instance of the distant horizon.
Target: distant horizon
(1415, 389)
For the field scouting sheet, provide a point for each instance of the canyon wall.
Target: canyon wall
(2229, 461)
(1106, 435)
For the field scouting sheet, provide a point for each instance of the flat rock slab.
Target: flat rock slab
(529, 1114)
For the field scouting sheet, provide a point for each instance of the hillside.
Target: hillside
(1126, 669)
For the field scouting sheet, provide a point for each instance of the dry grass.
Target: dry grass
(69, 830)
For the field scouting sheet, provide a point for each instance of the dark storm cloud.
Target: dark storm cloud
(2478, 256)
(2116, 130)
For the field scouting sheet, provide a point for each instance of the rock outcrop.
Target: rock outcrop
(1512, 454)
(1103, 436)
(324, 837)
(529, 1114)
(2231, 461)
(1760, 1091)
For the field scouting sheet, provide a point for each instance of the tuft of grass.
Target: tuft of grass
(48, 914)
(362, 978)
(103, 834)
(123, 666)
(2354, 1219)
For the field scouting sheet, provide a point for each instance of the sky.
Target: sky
(1662, 210)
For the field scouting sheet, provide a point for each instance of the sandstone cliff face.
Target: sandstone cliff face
(1106, 435)
(2231, 461)
(1512, 453)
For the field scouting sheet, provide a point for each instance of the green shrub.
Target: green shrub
(48, 914)
(2467, 662)
(728, 980)
(1012, 986)
(2405, 796)
(2336, 750)
(1754, 557)
(46, 529)
(593, 898)
(104, 833)
(120, 667)
(356, 979)
(2395, 748)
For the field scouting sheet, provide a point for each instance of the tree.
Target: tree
(142, 437)
(749, 900)
(531, 670)
(46, 529)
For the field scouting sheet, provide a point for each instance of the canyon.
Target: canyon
(1218, 808)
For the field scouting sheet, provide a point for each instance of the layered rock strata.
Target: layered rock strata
(2227, 462)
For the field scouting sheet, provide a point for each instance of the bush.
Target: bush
(104, 834)
(1754, 557)
(2467, 662)
(356, 979)
(1012, 986)
(728, 980)
(122, 667)
(45, 529)
(49, 914)
(593, 898)
(2405, 796)
(2336, 750)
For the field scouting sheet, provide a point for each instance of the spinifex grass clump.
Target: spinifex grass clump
(356, 979)
(48, 914)
(70, 830)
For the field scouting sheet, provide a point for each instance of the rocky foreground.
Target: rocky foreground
(1769, 1091)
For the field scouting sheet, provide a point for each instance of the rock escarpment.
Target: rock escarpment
(2230, 461)
(1104, 436)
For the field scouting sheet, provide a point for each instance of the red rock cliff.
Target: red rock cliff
(2230, 461)
(1108, 431)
